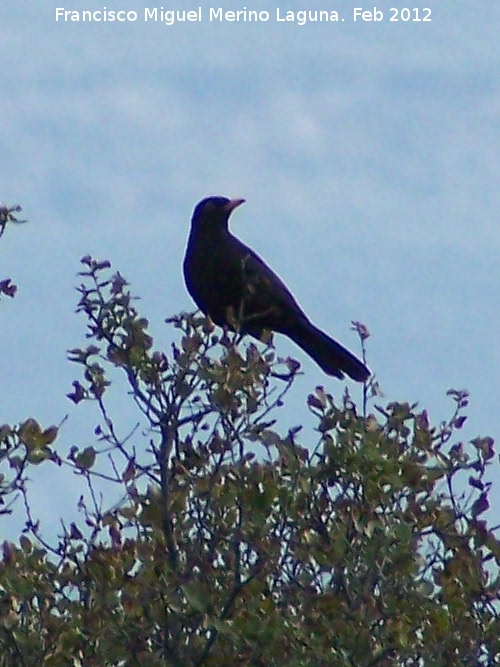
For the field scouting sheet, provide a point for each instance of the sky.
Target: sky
(367, 152)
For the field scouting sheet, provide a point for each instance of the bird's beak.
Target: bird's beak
(233, 203)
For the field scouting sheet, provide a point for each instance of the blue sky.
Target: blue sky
(368, 153)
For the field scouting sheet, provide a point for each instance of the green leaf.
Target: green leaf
(86, 459)
(194, 597)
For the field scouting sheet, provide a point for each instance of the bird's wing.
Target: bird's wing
(266, 295)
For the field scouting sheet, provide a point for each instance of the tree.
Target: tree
(7, 215)
(234, 542)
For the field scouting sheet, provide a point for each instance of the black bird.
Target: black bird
(231, 283)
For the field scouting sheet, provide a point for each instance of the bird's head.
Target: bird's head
(214, 212)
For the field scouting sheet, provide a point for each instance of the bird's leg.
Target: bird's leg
(233, 319)
(237, 321)
(233, 324)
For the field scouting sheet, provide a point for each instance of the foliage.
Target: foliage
(235, 543)
(7, 216)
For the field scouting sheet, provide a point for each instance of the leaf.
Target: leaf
(480, 505)
(49, 435)
(30, 433)
(37, 456)
(476, 483)
(7, 288)
(26, 545)
(192, 593)
(86, 459)
(78, 393)
(129, 472)
(485, 447)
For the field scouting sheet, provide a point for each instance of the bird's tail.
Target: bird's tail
(332, 357)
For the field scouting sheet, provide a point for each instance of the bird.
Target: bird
(231, 284)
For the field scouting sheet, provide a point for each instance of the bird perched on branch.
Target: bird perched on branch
(232, 284)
